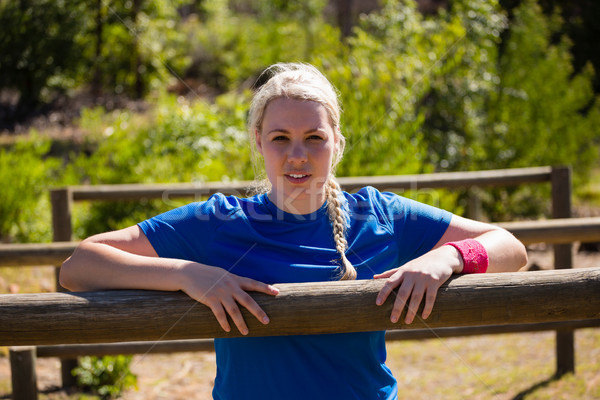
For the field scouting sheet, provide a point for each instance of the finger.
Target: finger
(251, 305)
(256, 286)
(404, 292)
(385, 274)
(415, 300)
(429, 302)
(388, 288)
(220, 315)
(236, 315)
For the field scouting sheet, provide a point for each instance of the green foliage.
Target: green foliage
(24, 205)
(37, 44)
(229, 50)
(540, 113)
(106, 376)
(183, 142)
(138, 47)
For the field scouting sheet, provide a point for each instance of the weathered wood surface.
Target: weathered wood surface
(554, 231)
(565, 230)
(302, 308)
(501, 177)
(177, 346)
(35, 254)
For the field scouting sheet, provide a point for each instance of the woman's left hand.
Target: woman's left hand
(416, 279)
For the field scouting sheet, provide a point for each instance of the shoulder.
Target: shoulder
(371, 198)
(392, 206)
(217, 207)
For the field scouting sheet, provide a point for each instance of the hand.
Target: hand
(416, 279)
(224, 292)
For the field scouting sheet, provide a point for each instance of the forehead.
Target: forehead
(296, 112)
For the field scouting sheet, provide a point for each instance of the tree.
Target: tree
(37, 44)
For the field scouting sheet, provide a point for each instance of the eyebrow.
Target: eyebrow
(282, 130)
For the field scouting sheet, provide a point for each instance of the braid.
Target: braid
(336, 216)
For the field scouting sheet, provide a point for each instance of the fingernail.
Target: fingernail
(244, 332)
(394, 319)
(378, 301)
(274, 289)
(265, 320)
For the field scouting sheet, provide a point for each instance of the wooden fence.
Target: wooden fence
(300, 308)
(561, 232)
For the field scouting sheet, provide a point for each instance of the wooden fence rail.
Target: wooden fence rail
(500, 177)
(300, 308)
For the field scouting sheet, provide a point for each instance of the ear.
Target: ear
(258, 140)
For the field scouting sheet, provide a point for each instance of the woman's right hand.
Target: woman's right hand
(223, 292)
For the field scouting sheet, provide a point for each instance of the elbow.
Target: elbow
(519, 253)
(522, 256)
(65, 276)
(71, 272)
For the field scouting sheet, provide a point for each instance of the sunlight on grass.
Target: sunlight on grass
(494, 367)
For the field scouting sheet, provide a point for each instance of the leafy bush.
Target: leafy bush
(105, 376)
(25, 173)
(180, 142)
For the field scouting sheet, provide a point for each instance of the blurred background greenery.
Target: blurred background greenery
(114, 91)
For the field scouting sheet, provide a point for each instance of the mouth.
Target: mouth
(297, 177)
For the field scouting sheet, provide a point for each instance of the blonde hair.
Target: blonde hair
(305, 82)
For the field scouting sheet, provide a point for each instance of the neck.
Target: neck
(297, 203)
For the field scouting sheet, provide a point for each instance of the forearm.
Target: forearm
(97, 266)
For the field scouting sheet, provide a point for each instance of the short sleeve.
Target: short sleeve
(417, 227)
(185, 232)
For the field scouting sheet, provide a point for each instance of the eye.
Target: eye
(315, 137)
(279, 138)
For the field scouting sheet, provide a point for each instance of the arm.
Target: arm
(423, 276)
(125, 259)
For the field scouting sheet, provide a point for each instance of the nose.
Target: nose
(297, 153)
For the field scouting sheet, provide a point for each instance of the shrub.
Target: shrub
(106, 376)
(25, 173)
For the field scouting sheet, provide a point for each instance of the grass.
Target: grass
(507, 366)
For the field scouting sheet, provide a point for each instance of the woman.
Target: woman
(302, 228)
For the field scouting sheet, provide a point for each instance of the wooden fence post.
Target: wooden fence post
(563, 259)
(23, 376)
(61, 200)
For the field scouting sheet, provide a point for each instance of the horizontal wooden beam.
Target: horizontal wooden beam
(554, 231)
(566, 230)
(500, 177)
(179, 346)
(35, 254)
(300, 308)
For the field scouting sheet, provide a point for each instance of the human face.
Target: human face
(298, 144)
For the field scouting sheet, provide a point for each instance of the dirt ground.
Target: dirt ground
(190, 375)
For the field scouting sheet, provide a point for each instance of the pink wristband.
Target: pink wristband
(475, 258)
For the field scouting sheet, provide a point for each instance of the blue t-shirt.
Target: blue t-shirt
(251, 237)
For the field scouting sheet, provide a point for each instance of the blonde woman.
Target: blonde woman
(302, 228)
